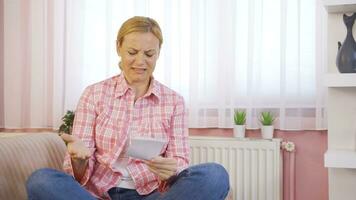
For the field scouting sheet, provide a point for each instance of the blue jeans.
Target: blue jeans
(208, 181)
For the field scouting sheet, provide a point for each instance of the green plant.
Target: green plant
(266, 118)
(240, 117)
(66, 126)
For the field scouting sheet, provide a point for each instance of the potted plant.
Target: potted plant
(67, 125)
(267, 128)
(239, 127)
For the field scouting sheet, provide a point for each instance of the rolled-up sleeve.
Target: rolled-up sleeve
(84, 129)
(178, 146)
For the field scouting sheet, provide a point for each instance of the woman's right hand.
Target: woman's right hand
(76, 148)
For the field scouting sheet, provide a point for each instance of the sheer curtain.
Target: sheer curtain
(221, 55)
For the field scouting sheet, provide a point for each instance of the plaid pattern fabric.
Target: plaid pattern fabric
(107, 116)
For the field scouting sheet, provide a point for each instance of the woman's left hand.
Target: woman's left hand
(164, 168)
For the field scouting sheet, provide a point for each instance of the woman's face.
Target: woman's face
(139, 53)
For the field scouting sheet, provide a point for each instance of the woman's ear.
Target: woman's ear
(118, 48)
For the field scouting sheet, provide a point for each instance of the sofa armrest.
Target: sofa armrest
(23, 154)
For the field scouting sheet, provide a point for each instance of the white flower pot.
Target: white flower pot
(239, 131)
(267, 132)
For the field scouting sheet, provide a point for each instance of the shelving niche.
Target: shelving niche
(340, 158)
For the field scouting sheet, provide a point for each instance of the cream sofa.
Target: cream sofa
(23, 153)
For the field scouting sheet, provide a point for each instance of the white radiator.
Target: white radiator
(254, 165)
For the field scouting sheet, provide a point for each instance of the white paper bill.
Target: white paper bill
(145, 148)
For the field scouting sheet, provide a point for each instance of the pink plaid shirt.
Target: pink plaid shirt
(104, 117)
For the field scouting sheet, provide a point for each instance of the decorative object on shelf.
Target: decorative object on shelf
(346, 55)
(267, 128)
(288, 146)
(240, 126)
(66, 126)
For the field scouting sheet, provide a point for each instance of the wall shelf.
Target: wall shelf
(340, 6)
(340, 80)
(340, 159)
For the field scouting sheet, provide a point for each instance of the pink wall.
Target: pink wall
(1, 63)
(311, 178)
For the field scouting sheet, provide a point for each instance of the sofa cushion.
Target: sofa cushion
(22, 154)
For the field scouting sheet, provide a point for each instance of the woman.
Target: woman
(126, 106)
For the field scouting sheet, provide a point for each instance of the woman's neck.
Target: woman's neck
(140, 89)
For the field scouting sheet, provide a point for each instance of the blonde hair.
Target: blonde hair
(139, 24)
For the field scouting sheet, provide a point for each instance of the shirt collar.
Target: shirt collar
(122, 87)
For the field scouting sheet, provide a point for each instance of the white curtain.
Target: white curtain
(221, 55)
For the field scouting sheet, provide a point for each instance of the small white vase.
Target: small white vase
(239, 131)
(267, 132)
